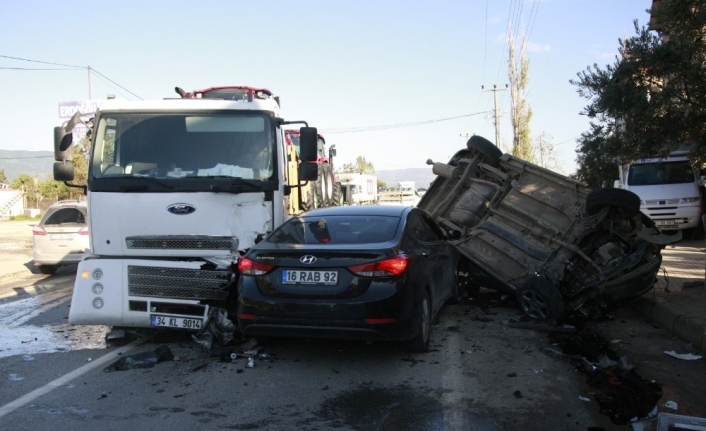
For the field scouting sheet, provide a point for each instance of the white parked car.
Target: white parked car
(61, 237)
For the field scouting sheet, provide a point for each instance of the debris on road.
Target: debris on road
(622, 394)
(217, 327)
(15, 377)
(146, 359)
(684, 356)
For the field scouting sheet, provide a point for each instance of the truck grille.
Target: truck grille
(177, 283)
(182, 242)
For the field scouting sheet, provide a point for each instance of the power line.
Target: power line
(28, 157)
(43, 62)
(395, 126)
(65, 65)
(32, 68)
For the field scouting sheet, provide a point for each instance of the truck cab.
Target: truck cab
(177, 191)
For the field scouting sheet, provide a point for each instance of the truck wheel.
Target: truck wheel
(540, 300)
(491, 153)
(624, 202)
(336, 195)
(324, 185)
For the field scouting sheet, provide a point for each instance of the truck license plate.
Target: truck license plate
(292, 276)
(176, 322)
(665, 223)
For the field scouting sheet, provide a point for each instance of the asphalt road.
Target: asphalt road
(482, 374)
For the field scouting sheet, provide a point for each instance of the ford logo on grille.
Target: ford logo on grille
(308, 259)
(181, 209)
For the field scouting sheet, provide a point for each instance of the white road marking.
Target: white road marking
(452, 383)
(63, 380)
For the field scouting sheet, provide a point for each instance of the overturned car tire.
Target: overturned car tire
(540, 299)
(623, 202)
(490, 152)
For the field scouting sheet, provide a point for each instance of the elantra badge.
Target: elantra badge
(308, 259)
(181, 209)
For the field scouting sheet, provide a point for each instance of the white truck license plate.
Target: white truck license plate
(176, 322)
(292, 276)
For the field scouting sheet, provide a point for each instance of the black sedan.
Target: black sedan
(352, 272)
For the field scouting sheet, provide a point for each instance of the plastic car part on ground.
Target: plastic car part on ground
(217, 326)
(146, 359)
(558, 246)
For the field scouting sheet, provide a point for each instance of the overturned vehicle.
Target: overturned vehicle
(561, 248)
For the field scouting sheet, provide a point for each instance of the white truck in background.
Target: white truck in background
(359, 189)
(670, 191)
(177, 191)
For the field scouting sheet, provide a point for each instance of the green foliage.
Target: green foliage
(381, 184)
(594, 159)
(653, 96)
(521, 113)
(29, 186)
(361, 166)
(3, 177)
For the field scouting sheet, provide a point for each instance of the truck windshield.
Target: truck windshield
(183, 145)
(644, 174)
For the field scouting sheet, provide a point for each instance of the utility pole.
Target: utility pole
(495, 90)
(541, 150)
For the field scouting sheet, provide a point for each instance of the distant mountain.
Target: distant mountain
(18, 162)
(422, 177)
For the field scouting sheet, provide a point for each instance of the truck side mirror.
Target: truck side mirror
(308, 171)
(62, 144)
(308, 141)
(64, 170)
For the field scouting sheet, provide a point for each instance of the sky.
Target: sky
(397, 82)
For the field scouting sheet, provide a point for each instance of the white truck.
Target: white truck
(359, 189)
(178, 190)
(670, 191)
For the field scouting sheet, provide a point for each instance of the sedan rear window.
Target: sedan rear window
(66, 216)
(336, 230)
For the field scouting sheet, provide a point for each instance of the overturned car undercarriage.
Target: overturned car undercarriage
(560, 247)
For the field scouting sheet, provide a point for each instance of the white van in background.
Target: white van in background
(669, 189)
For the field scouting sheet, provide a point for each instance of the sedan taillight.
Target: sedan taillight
(384, 268)
(83, 231)
(250, 267)
(38, 230)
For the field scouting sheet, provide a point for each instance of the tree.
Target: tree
(361, 166)
(593, 157)
(28, 185)
(544, 154)
(520, 112)
(3, 177)
(80, 156)
(54, 190)
(653, 97)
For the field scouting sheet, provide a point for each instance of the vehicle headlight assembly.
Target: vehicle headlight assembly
(688, 200)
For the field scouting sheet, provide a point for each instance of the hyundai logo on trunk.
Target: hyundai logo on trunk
(181, 209)
(308, 259)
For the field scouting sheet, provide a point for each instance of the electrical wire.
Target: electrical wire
(100, 74)
(394, 126)
(42, 62)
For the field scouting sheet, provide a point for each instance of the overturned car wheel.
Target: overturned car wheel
(540, 300)
(624, 203)
(490, 152)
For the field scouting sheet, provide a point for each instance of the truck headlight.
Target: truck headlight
(689, 200)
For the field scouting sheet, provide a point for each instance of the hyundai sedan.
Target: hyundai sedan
(353, 272)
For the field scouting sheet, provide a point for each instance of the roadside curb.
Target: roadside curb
(668, 317)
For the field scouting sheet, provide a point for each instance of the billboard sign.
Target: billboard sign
(68, 109)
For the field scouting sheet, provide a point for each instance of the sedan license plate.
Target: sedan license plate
(176, 322)
(62, 236)
(665, 222)
(292, 276)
